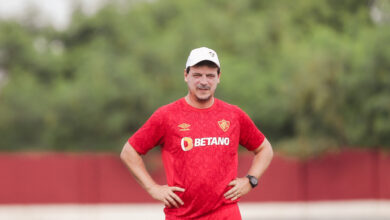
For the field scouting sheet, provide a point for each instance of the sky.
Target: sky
(55, 12)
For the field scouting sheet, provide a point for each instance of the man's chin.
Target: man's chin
(203, 98)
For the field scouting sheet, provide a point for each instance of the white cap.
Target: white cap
(200, 54)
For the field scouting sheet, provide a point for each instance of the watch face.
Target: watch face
(253, 181)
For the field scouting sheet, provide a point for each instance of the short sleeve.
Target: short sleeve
(250, 136)
(151, 134)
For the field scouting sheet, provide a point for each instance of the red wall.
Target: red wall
(102, 178)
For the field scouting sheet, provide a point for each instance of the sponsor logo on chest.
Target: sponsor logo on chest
(188, 143)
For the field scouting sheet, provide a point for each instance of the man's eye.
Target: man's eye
(211, 76)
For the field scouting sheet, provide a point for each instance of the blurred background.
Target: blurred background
(77, 78)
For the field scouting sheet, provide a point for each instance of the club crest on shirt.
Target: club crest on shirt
(224, 125)
(184, 127)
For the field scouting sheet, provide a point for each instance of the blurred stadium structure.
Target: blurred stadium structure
(316, 76)
(344, 185)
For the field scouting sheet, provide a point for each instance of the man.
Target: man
(199, 136)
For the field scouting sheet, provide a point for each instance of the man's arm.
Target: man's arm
(263, 157)
(135, 164)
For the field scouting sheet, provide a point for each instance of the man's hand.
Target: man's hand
(241, 186)
(166, 195)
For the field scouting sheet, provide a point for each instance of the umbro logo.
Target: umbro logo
(184, 127)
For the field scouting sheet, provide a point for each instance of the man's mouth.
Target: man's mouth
(203, 87)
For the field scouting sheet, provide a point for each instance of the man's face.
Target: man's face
(202, 82)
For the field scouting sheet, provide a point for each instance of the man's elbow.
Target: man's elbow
(266, 147)
(124, 153)
(271, 151)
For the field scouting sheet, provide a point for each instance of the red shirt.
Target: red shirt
(199, 151)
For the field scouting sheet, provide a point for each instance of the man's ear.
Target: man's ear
(185, 75)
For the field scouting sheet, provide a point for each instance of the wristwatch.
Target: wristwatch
(252, 180)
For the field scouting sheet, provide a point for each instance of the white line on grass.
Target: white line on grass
(367, 209)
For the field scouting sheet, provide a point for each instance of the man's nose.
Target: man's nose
(203, 80)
